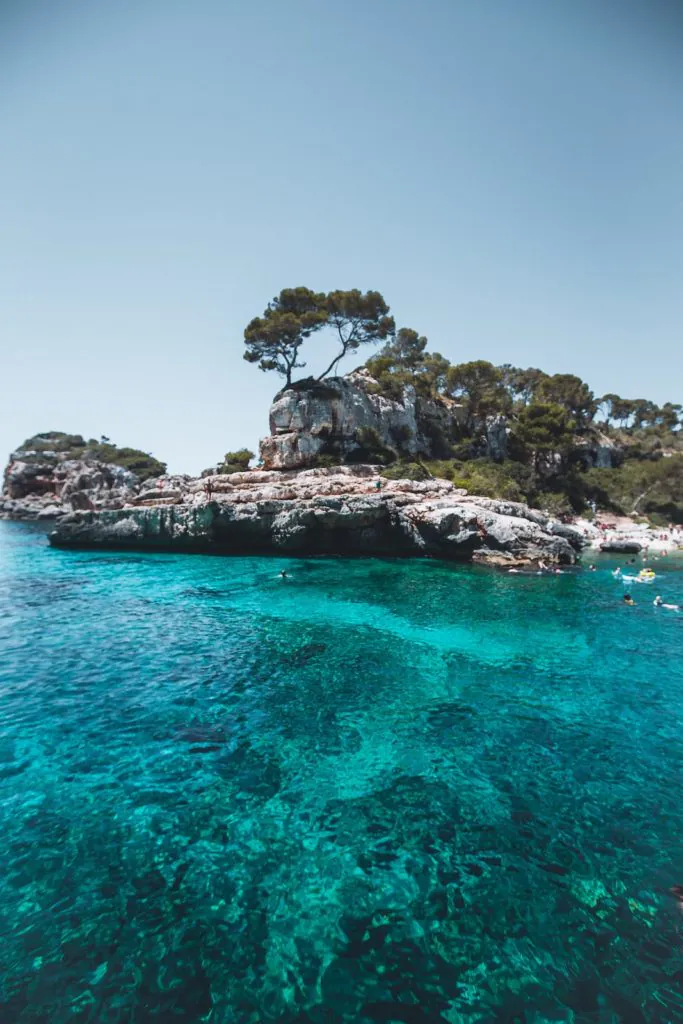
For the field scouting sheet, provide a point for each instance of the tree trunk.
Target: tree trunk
(332, 365)
(645, 493)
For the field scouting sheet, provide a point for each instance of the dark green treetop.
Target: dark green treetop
(274, 339)
(570, 392)
(236, 462)
(543, 428)
(479, 385)
(358, 320)
(242, 457)
(406, 351)
(521, 385)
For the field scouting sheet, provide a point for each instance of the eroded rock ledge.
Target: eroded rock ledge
(320, 511)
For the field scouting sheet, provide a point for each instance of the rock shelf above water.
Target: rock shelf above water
(323, 511)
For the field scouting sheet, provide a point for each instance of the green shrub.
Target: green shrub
(648, 487)
(316, 388)
(242, 457)
(73, 446)
(555, 504)
(509, 480)
(236, 462)
(405, 471)
(141, 463)
(53, 442)
(326, 461)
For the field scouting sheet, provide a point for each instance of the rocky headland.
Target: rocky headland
(296, 503)
(55, 473)
(325, 511)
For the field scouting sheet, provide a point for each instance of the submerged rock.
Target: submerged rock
(330, 512)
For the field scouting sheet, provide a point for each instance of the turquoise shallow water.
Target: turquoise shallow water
(376, 791)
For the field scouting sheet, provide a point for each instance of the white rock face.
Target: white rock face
(600, 451)
(330, 511)
(47, 484)
(314, 417)
(47, 488)
(496, 432)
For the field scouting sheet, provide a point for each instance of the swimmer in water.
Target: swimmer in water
(677, 893)
(591, 568)
(658, 603)
(628, 599)
(283, 574)
(617, 572)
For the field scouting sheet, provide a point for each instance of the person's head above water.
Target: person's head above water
(658, 600)
(628, 599)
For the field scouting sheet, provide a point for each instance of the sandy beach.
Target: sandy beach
(617, 530)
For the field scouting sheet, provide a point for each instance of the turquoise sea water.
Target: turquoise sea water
(374, 791)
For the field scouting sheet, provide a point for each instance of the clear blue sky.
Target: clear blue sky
(508, 174)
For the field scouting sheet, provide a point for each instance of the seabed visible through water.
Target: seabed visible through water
(374, 791)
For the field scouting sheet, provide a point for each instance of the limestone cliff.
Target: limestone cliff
(343, 416)
(350, 420)
(328, 511)
(54, 473)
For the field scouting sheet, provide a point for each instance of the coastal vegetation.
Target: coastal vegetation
(504, 431)
(236, 462)
(57, 444)
(562, 447)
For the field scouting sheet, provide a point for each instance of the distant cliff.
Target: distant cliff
(55, 472)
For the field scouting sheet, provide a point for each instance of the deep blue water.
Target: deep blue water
(375, 791)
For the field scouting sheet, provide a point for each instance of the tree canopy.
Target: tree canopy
(274, 340)
(236, 462)
(358, 319)
(73, 446)
(479, 384)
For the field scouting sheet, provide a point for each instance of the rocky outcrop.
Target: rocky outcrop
(42, 490)
(621, 547)
(599, 451)
(321, 511)
(496, 438)
(43, 480)
(333, 417)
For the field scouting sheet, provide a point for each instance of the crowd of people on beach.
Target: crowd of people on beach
(605, 534)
